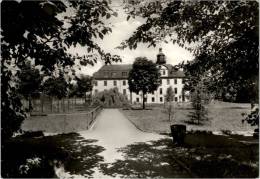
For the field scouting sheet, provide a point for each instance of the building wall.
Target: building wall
(158, 97)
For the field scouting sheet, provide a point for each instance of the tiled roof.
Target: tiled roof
(177, 74)
(122, 71)
(120, 67)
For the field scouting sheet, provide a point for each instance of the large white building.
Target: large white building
(111, 76)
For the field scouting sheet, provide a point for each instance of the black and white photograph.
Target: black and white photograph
(129, 89)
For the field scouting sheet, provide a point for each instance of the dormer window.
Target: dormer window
(163, 72)
(124, 73)
(106, 74)
(113, 74)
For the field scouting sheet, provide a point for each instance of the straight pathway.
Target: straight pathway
(113, 131)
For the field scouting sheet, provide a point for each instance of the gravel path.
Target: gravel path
(113, 130)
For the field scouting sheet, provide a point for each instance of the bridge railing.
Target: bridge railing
(92, 115)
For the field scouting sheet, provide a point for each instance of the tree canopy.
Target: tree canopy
(84, 84)
(43, 31)
(222, 35)
(30, 81)
(56, 86)
(169, 97)
(144, 77)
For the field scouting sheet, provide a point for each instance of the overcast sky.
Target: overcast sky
(122, 29)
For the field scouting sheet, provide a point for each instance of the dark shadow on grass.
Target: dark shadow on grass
(206, 122)
(78, 155)
(160, 158)
(141, 109)
(237, 107)
(142, 160)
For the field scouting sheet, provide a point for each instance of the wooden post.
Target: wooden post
(88, 121)
(64, 124)
(42, 103)
(30, 103)
(92, 116)
(58, 106)
(68, 99)
(63, 104)
(51, 103)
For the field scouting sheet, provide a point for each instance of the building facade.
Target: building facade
(111, 76)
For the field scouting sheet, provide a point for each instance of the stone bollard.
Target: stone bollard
(178, 132)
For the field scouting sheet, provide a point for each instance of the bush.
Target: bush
(200, 112)
(110, 98)
(252, 118)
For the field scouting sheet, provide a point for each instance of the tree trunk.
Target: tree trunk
(42, 104)
(131, 101)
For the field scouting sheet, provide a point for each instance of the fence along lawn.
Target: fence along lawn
(48, 105)
(62, 123)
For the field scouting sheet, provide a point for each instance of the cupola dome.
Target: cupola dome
(161, 59)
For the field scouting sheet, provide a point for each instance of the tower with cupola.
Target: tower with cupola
(161, 59)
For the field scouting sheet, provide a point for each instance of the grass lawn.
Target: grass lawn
(59, 123)
(221, 115)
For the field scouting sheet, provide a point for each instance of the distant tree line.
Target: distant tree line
(32, 83)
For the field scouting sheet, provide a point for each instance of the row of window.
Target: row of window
(113, 74)
(124, 82)
(175, 91)
(153, 99)
(114, 82)
(160, 91)
(124, 91)
(175, 81)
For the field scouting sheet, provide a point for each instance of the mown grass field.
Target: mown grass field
(221, 115)
(60, 122)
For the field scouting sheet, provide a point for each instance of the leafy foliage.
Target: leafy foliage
(223, 36)
(43, 31)
(56, 86)
(30, 81)
(110, 98)
(252, 118)
(169, 97)
(84, 84)
(144, 77)
(200, 112)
